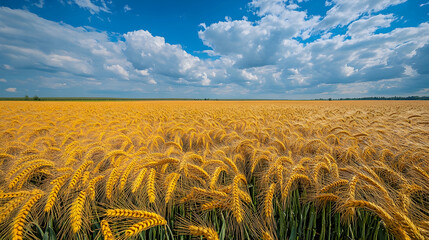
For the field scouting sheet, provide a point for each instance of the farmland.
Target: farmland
(216, 169)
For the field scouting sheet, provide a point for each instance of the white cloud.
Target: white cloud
(345, 11)
(93, 8)
(11, 90)
(265, 58)
(127, 8)
(146, 51)
(206, 81)
(368, 25)
(144, 72)
(152, 81)
(118, 69)
(348, 70)
(409, 71)
(3, 80)
(40, 4)
(248, 76)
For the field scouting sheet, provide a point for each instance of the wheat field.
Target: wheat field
(214, 170)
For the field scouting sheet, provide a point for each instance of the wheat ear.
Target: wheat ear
(19, 223)
(268, 202)
(144, 225)
(208, 233)
(137, 182)
(105, 229)
(76, 211)
(131, 213)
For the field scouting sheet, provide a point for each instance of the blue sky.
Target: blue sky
(293, 49)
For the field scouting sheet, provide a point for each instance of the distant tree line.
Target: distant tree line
(381, 98)
(35, 98)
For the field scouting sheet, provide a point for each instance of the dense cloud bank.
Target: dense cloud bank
(285, 53)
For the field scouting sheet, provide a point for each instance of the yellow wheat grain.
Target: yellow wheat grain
(64, 169)
(78, 173)
(208, 233)
(174, 144)
(139, 179)
(266, 236)
(91, 187)
(214, 204)
(115, 153)
(334, 185)
(105, 229)
(230, 163)
(125, 175)
(215, 176)
(114, 175)
(58, 183)
(171, 186)
(85, 178)
(370, 206)
(20, 165)
(317, 168)
(389, 173)
(409, 227)
(352, 187)
(373, 182)
(20, 219)
(4, 195)
(268, 201)
(22, 177)
(162, 162)
(381, 213)
(237, 210)
(245, 196)
(197, 170)
(291, 181)
(23, 162)
(90, 153)
(335, 170)
(7, 208)
(120, 212)
(327, 197)
(421, 171)
(76, 211)
(151, 185)
(144, 225)
(5, 155)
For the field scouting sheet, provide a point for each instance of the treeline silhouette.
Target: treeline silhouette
(381, 98)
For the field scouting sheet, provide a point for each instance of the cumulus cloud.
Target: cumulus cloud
(360, 55)
(118, 69)
(3, 80)
(284, 53)
(11, 90)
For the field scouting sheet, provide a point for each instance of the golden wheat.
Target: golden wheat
(105, 229)
(87, 157)
(76, 211)
(144, 225)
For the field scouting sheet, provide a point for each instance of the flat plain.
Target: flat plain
(216, 169)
